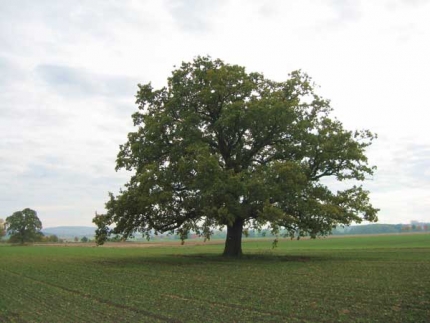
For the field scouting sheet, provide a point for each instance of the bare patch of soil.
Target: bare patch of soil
(134, 244)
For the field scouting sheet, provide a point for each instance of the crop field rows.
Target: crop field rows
(367, 279)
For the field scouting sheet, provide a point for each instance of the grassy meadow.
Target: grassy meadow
(349, 279)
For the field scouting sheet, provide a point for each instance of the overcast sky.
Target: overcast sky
(69, 72)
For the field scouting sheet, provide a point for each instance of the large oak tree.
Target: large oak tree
(222, 147)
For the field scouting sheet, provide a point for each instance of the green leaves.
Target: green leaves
(2, 228)
(219, 145)
(23, 226)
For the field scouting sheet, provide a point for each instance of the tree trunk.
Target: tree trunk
(233, 242)
(22, 238)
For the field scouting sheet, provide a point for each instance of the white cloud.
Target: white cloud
(68, 74)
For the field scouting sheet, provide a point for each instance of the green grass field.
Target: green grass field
(363, 279)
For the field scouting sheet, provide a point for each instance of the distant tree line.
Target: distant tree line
(382, 229)
(267, 233)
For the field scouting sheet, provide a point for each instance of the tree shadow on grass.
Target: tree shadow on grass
(202, 259)
(257, 258)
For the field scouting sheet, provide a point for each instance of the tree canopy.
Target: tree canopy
(222, 147)
(23, 226)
